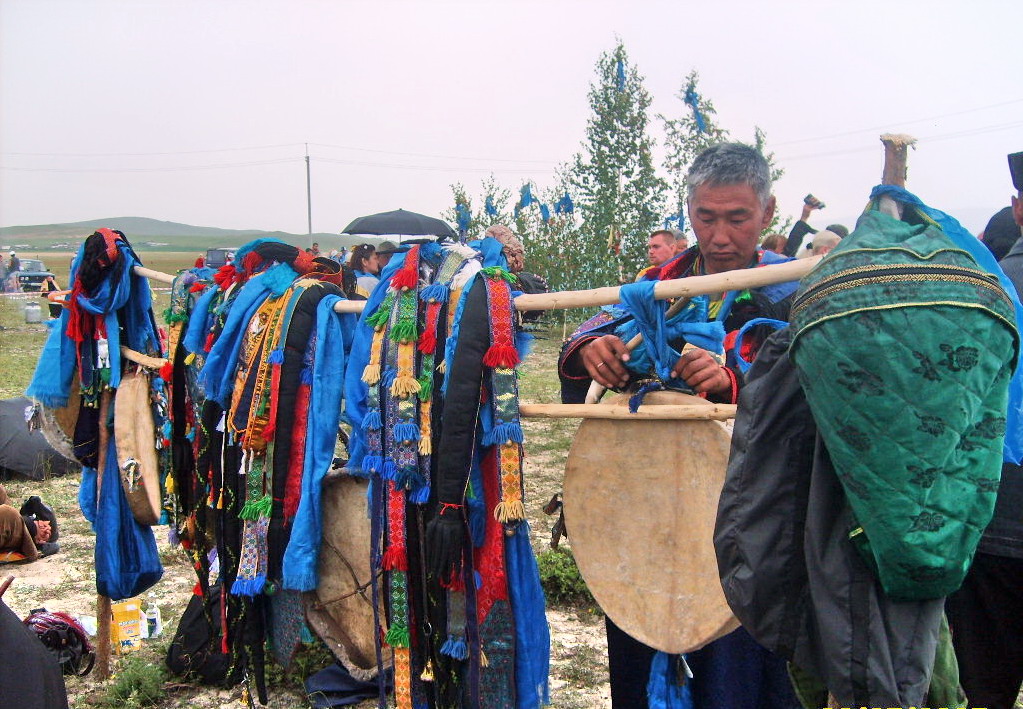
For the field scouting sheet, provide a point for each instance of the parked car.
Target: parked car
(31, 274)
(217, 257)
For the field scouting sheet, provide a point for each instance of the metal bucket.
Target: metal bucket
(33, 313)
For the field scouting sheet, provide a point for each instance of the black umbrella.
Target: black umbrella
(399, 222)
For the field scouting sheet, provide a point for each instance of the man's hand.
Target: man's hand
(603, 359)
(702, 372)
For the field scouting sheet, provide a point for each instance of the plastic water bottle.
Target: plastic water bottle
(154, 620)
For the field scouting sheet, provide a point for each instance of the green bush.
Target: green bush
(562, 583)
(137, 683)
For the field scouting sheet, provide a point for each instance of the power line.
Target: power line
(429, 155)
(183, 168)
(170, 152)
(888, 125)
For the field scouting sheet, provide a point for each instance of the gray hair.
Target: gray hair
(731, 164)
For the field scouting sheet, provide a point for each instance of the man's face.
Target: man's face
(728, 221)
(659, 248)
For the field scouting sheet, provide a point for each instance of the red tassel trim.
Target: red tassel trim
(197, 287)
(395, 559)
(501, 356)
(408, 276)
(251, 262)
(303, 263)
(227, 275)
(167, 371)
(454, 582)
(428, 340)
(209, 343)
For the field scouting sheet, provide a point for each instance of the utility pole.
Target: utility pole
(309, 193)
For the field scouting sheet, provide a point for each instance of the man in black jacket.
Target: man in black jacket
(986, 613)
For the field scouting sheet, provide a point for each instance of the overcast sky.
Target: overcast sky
(110, 108)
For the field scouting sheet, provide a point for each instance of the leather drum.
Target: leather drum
(640, 500)
(340, 610)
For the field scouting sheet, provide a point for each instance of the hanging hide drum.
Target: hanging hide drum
(340, 610)
(640, 504)
(58, 425)
(135, 437)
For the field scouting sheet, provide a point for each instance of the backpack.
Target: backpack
(195, 650)
(66, 639)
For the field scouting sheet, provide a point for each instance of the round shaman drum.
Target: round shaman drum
(640, 500)
(340, 610)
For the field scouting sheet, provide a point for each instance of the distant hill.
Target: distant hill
(154, 234)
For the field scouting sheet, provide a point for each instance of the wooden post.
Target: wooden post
(896, 149)
(103, 611)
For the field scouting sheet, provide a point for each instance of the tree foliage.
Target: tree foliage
(618, 193)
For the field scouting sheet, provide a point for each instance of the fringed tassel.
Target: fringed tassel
(508, 432)
(208, 345)
(397, 636)
(407, 277)
(498, 272)
(484, 662)
(428, 340)
(395, 559)
(420, 496)
(510, 511)
(198, 287)
(372, 421)
(371, 374)
(373, 463)
(389, 471)
(503, 356)
(254, 509)
(426, 429)
(455, 648)
(276, 357)
(406, 431)
(248, 587)
(167, 371)
(404, 386)
(434, 293)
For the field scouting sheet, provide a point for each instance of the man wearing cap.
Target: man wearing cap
(824, 241)
(385, 250)
(986, 613)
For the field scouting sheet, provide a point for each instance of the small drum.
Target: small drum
(135, 437)
(340, 610)
(640, 500)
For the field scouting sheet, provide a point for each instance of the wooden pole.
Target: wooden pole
(684, 412)
(741, 279)
(103, 610)
(896, 153)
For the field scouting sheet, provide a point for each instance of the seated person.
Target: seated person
(30, 532)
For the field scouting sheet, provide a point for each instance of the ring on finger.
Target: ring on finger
(601, 365)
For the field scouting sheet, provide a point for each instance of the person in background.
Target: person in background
(824, 241)
(513, 249)
(986, 613)
(774, 242)
(14, 263)
(661, 247)
(801, 228)
(50, 286)
(1001, 233)
(315, 249)
(366, 266)
(385, 250)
